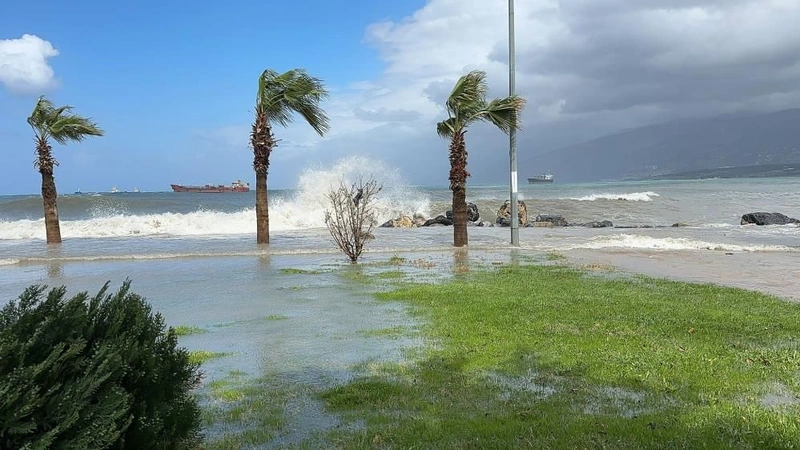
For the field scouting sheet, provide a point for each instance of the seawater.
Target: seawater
(162, 225)
(194, 257)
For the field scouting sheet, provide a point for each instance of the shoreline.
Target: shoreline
(755, 271)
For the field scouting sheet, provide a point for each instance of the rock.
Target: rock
(764, 218)
(600, 224)
(679, 225)
(419, 220)
(438, 220)
(555, 219)
(504, 214)
(472, 213)
(401, 222)
(485, 223)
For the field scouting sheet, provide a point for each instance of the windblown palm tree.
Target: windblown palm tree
(279, 96)
(59, 124)
(466, 105)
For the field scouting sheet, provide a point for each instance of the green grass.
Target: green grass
(201, 356)
(391, 274)
(548, 357)
(185, 330)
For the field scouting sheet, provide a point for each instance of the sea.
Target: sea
(294, 308)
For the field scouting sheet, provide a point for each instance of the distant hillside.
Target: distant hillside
(677, 147)
(760, 171)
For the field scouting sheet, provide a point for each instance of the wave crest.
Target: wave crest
(632, 197)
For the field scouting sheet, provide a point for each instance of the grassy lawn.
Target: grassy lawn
(551, 357)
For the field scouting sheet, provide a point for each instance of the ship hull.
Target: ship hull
(537, 181)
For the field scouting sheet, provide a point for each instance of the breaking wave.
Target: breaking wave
(632, 197)
(304, 209)
(635, 241)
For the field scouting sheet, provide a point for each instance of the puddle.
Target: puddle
(779, 396)
(512, 385)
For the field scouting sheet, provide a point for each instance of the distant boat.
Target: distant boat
(114, 190)
(136, 189)
(78, 192)
(236, 186)
(543, 178)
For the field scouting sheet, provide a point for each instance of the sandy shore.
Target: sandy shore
(776, 273)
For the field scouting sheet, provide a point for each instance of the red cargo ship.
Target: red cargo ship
(236, 186)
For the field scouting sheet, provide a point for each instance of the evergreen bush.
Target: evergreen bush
(93, 373)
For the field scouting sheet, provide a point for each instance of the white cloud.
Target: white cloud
(24, 66)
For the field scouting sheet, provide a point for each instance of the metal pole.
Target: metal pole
(512, 141)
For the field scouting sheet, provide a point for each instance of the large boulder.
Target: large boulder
(504, 214)
(472, 213)
(597, 224)
(765, 218)
(555, 220)
(438, 220)
(401, 222)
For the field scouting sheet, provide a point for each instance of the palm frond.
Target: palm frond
(469, 89)
(502, 113)
(446, 128)
(281, 95)
(42, 111)
(73, 128)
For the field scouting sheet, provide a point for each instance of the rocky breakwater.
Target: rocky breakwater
(504, 214)
(446, 219)
(557, 220)
(765, 218)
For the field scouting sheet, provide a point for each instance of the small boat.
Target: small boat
(136, 190)
(114, 190)
(543, 178)
(236, 186)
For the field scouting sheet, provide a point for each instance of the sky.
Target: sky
(173, 83)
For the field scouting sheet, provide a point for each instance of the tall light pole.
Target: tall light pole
(512, 136)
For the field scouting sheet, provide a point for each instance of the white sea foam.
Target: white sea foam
(635, 241)
(8, 262)
(632, 197)
(305, 210)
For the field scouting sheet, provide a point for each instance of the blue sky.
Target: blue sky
(158, 74)
(173, 82)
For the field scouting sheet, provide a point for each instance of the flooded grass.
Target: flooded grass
(276, 317)
(201, 356)
(550, 357)
(392, 332)
(293, 271)
(185, 330)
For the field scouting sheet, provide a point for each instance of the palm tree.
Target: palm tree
(466, 105)
(47, 122)
(280, 95)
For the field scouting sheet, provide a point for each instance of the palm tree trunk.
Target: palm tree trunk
(262, 142)
(460, 216)
(262, 208)
(458, 184)
(49, 196)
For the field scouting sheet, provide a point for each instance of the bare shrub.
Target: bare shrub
(352, 217)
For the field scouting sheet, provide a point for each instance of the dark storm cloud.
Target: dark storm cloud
(617, 55)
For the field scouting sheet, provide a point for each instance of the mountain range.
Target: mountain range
(679, 147)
